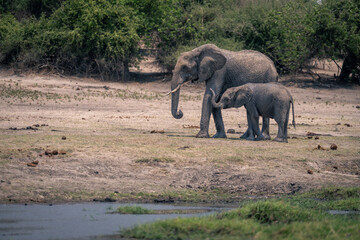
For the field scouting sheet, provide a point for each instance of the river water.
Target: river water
(76, 221)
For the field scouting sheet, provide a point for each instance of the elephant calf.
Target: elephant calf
(269, 100)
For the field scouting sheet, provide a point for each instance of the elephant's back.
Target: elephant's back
(249, 66)
(274, 90)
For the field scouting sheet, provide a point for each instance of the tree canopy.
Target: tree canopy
(103, 36)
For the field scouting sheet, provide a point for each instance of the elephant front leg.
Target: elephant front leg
(219, 124)
(255, 127)
(205, 117)
(250, 132)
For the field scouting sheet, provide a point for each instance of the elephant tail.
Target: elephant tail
(292, 104)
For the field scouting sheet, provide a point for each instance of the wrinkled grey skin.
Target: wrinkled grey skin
(270, 100)
(219, 69)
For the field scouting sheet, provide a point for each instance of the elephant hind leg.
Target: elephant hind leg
(265, 131)
(282, 127)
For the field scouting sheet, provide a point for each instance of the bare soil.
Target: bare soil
(78, 139)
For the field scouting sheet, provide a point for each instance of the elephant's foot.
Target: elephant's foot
(278, 139)
(266, 136)
(251, 138)
(245, 135)
(220, 135)
(202, 134)
(259, 138)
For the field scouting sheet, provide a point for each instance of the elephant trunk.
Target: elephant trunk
(213, 100)
(175, 95)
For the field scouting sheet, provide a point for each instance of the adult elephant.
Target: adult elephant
(220, 69)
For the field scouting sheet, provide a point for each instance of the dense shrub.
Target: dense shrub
(282, 32)
(336, 25)
(27, 8)
(10, 38)
(104, 36)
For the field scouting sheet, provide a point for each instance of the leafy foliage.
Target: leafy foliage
(104, 36)
(10, 38)
(336, 34)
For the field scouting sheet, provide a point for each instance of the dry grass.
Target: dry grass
(131, 143)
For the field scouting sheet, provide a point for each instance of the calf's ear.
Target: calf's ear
(243, 96)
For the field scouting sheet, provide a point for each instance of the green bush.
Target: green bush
(104, 36)
(280, 31)
(270, 212)
(10, 38)
(336, 34)
(80, 36)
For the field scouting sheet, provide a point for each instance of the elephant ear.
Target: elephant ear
(243, 96)
(211, 60)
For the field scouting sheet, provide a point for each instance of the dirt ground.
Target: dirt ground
(75, 139)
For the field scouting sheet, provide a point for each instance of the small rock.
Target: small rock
(320, 147)
(33, 163)
(62, 152)
(155, 131)
(333, 146)
(48, 152)
(294, 137)
(108, 199)
(55, 152)
(231, 131)
(165, 200)
(318, 97)
(184, 148)
(348, 125)
(310, 171)
(335, 167)
(358, 107)
(63, 138)
(311, 134)
(316, 137)
(309, 137)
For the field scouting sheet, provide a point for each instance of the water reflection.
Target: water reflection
(76, 221)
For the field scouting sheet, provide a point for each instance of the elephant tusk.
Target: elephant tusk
(175, 90)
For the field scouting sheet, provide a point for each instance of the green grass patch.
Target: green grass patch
(132, 210)
(141, 210)
(285, 218)
(332, 198)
